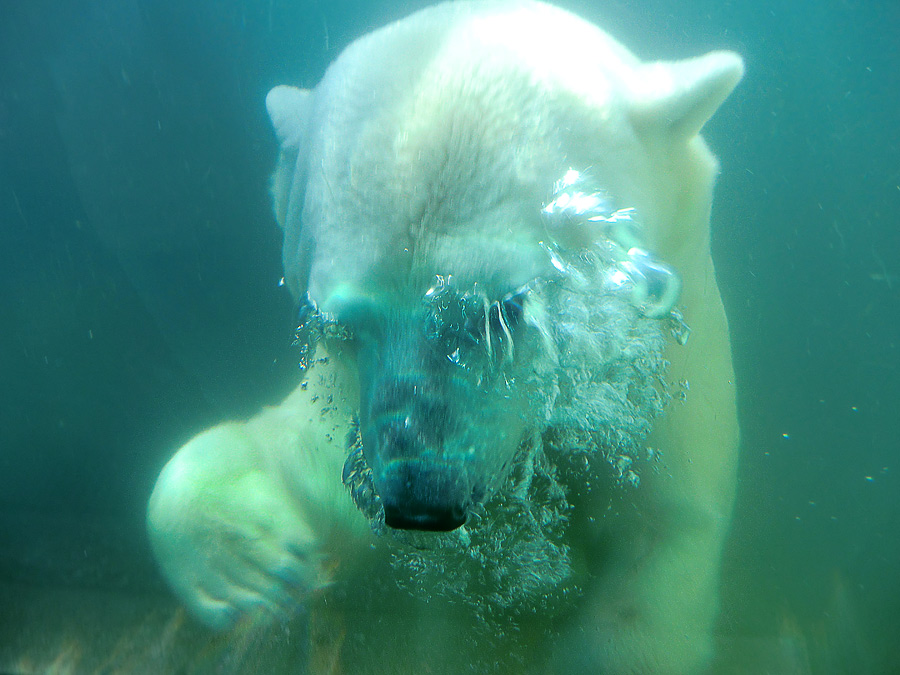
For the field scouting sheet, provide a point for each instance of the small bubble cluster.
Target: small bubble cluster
(581, 216)
(314, 326)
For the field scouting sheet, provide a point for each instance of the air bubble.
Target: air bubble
(580, 217)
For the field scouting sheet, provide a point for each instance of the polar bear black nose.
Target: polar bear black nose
(429, 520)
(420, 496)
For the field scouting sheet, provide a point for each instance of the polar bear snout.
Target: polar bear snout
(421, 495)
(422, 421)
(409, 439)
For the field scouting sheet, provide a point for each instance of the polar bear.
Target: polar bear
(496, 228)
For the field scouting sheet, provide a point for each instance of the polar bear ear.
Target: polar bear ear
(677, 98)
(289, 109)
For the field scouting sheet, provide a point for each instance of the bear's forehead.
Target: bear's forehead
(401, 271)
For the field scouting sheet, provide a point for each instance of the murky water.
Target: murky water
(139, 268)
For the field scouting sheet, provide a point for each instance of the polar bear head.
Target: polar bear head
(413, 189)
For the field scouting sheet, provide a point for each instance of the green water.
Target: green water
(139, 302)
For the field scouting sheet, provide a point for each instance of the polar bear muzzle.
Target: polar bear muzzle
(411, 435)
(422, 422)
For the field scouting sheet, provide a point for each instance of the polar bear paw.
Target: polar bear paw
(229, 540)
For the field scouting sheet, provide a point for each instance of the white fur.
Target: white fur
(429, 147)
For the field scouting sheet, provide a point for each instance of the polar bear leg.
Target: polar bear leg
(653, 610)
(226, 536)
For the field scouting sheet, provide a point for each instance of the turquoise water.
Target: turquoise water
(139, 300)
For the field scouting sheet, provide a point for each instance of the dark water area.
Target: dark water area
(140, 303)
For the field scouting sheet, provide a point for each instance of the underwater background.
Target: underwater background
(140, 303)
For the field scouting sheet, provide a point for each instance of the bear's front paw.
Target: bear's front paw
(229, 540)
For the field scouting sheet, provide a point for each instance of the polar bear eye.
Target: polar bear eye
(502, 318)
(468, 328)
(513, 307)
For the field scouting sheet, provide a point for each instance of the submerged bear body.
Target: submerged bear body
(496, 226)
